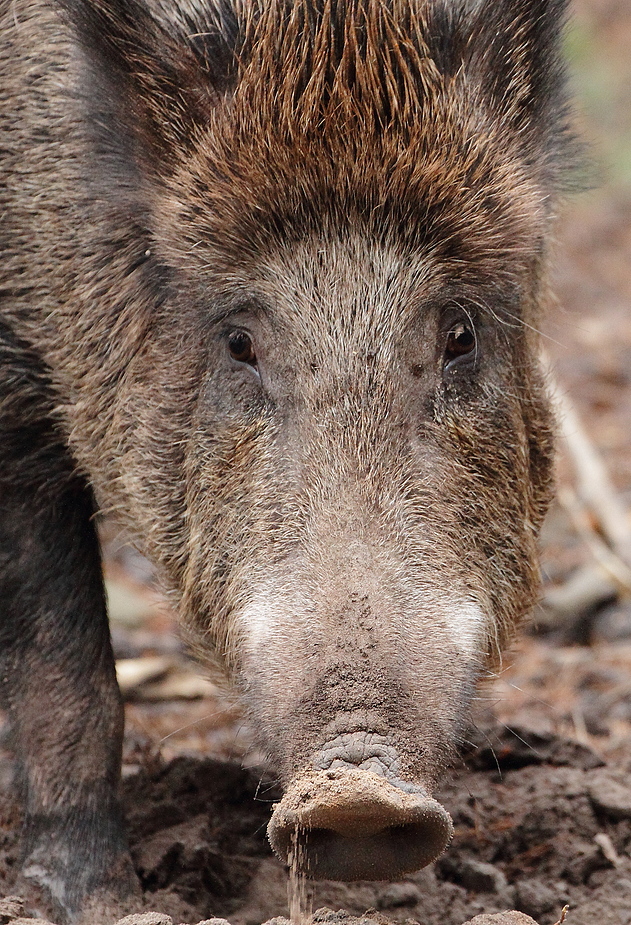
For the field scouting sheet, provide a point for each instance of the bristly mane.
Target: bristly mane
(410, 115)
(420, 117)
(360, 66)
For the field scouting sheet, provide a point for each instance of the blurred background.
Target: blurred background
(570, 671)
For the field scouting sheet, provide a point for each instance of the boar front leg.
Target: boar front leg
(57, 680)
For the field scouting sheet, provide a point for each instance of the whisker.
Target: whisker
(194, 722)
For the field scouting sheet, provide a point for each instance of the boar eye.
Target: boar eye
(460, 342)
(241, 348)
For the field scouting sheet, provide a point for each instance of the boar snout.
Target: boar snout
(352, 824)
(369, 751)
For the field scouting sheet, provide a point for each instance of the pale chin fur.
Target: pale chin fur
(467, 622)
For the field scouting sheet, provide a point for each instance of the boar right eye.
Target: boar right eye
(241, 348)
(461, 342)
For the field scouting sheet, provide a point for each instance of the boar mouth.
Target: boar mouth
(352, 824)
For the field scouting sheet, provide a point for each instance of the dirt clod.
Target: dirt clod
(30, 921)
(503, 918)
(146, 918)
(11, 908)
(399, 894)
(477, 875)
(610, 794)
(535, 897)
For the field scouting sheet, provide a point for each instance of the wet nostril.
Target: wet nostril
(386, 854)
(355, 825)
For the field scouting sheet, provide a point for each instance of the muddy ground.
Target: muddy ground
(541, 800)
(540, 822)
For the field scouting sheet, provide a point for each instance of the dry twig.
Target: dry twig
(593, 485)
(599, 515)
(564, 912)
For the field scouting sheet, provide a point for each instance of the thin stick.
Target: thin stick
(609, 560)
(564, 912)
(593, 484)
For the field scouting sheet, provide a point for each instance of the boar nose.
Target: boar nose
(348, 823)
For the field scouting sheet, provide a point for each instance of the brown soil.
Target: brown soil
(540, 822)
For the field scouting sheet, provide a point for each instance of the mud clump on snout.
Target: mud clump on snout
(351, 824)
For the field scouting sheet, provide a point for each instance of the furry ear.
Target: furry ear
(511, 50)
(519, 58)
(156, 71)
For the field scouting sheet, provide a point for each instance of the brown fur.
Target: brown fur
(345, 180)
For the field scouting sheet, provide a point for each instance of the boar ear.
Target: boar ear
(512, 51)
(157, 72)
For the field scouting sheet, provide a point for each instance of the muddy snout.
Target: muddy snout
(353, 824)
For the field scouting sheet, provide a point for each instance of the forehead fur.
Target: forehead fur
(383, 114)
(438, 123)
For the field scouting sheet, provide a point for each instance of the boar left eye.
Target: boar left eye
(241, 348)
(461, 342)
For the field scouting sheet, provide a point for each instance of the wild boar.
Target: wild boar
(271, 275)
